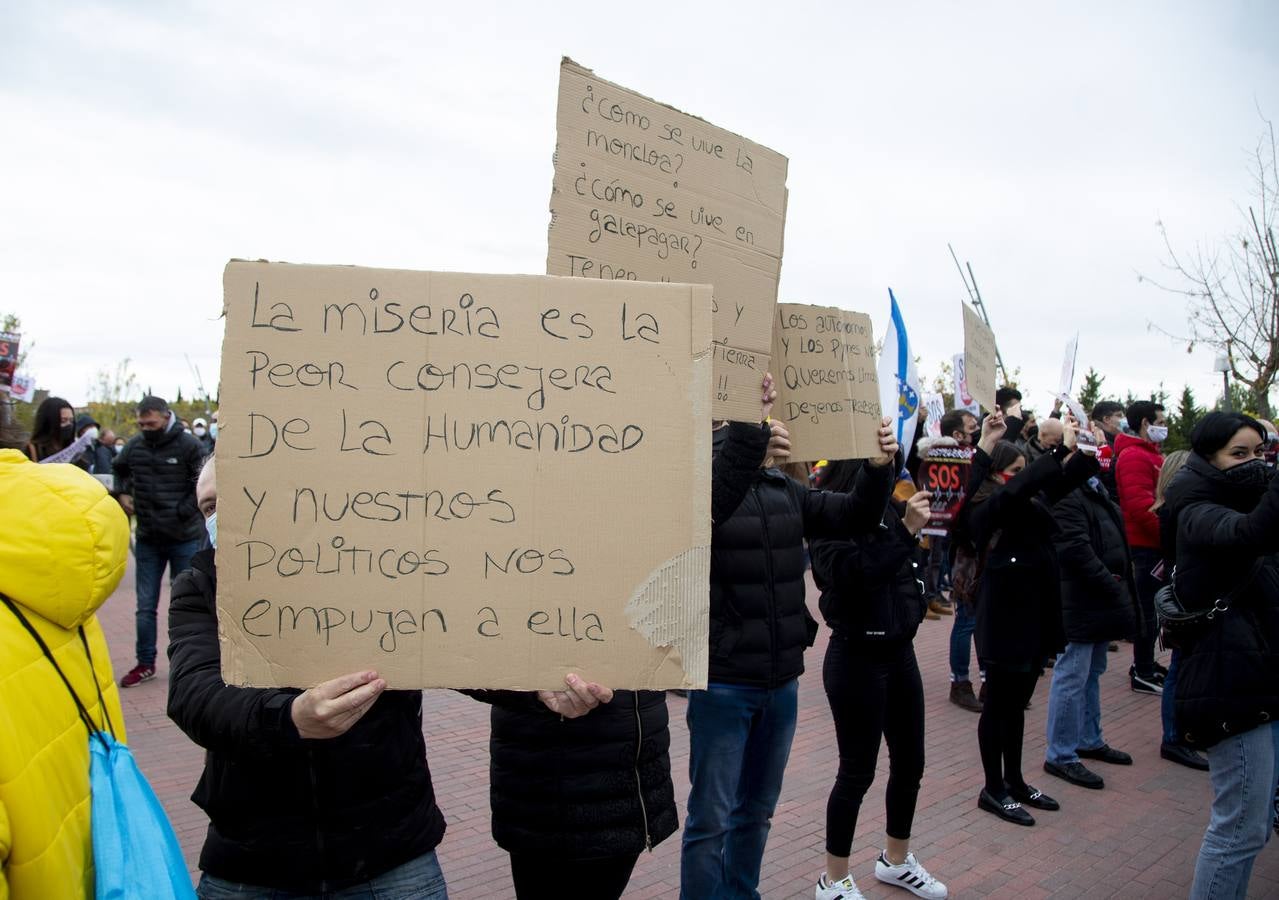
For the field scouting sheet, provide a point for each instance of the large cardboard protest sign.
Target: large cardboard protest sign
(645, 192)
(827, 387)
(979, 358)
(462, 480)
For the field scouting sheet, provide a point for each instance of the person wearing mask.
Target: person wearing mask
(1223, 507)
(100, 456)
(54, 429)
(958, 429)
(1137, 462)
(1098, 605)
(348, 746)
(1008, 520)
(200, 428)
(1171, 748)
(741, 726)
(155, 475)
(1109, 417)
(873, 601)
(1041, 439)
(56, 576)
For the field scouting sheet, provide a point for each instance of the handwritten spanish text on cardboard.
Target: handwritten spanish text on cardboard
(645, 192)
(827, 388)
(462, 480)
(979, 358)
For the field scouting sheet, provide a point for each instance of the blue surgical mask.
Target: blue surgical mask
(213, 429)
(211, 525)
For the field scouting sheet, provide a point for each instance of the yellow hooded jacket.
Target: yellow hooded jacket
(63, 548)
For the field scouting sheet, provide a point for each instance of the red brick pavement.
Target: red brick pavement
(1135, 839)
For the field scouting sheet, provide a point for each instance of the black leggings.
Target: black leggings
(1002, 726)
(545, 876)
(874, 690)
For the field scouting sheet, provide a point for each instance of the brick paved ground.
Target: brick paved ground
(1135, 839)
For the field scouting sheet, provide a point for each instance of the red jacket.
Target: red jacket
(1136, 471)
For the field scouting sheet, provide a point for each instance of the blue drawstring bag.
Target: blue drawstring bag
(135, 852)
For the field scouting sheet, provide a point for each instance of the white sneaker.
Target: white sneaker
(910, 875)
(838, 890)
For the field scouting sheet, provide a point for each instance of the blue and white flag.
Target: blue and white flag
(899, 389)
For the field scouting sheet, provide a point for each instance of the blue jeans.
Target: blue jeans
(739, 741)
(151, 557)
(1168, 698)
(1243, 770)
(417, 879)
(1074, 702)
(961, 642)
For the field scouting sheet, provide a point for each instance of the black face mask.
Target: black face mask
(1252, 474)
(152, 435)
(67, 433)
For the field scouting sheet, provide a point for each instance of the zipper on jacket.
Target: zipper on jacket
(772, 599)
(639, 785)
(315, 810)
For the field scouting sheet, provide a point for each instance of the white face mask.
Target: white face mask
(91, 433)
(211, 525)
(213, 429)
(199, 431)
(1157, 434)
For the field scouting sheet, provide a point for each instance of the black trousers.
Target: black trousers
(540, 876)
(1002, 726)
(875, 691)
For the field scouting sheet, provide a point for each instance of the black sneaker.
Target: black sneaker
(1107, 754)
(1005, 807)
(1076, 773)
(1161, 671)
(1183, 756)
(1032, 796)
(1145, 684)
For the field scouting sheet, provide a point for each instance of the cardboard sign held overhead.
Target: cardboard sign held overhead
(645, 192)
(458, 480)
(827, 388)
(979, 358)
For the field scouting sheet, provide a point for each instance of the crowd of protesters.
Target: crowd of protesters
(1070, 535)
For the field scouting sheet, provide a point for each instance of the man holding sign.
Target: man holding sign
(741, 726)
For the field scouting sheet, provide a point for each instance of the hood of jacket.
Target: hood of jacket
(66, 541)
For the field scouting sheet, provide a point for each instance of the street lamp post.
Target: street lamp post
(1223, 366)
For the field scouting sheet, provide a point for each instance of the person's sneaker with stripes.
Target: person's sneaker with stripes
(910, 875)
(844, 889)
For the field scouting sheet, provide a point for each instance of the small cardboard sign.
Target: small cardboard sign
(979, 358)
(644, 192)
(457, 480)
(827, 387)
(944, 472)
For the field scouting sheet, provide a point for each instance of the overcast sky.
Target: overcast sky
(145, 144)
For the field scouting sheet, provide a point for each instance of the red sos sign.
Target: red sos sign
(944, 476)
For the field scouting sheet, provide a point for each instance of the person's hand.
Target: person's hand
(918, 511)
(778, 446)
(767, 398)
(126, 503)
(887, 444)
(331, 708)
(993, 427)
(1098, 435)
(580, 698)
(1071, 431)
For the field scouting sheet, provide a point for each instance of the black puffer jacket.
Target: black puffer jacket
(1019, 597)
(759, 623)
(1226, 538)
(584, 788)
(870, 585)
(287, 813)
(161, 476)
(1098, 593)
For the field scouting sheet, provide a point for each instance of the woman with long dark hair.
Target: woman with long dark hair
(1223, 507)
(1009, 525)
(54, 429)
(873, 601)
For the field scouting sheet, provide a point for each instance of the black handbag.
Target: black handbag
(1179, 627)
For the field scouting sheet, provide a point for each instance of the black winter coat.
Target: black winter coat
(870, 585)
(596, 786)
(760, 624)
(1098, 592)
(1019, 597)
(1226, 541)
(287, 813)
(161, 478)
